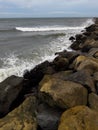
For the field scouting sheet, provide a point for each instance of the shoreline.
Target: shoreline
(56, 90)
(15, 61)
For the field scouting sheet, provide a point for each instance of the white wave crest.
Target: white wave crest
(45, 29)
(54, 28)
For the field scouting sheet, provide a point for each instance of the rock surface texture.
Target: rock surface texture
(65, 94)
(79, 118)
(22, 118)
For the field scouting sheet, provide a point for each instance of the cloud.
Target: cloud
(32, 3)
(28, 3)
(64, 12)
(49, 3)
(49, 7)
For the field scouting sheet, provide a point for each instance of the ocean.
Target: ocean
(26, 42)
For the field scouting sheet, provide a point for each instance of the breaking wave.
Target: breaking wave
(14, 65)
(54, 28)
(46, 29)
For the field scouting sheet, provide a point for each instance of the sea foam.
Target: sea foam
(13, 65)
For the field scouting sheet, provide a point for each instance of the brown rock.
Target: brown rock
(91, 42)
(79, 118)
(44, 80)
(22, 118)
(78, 61)
(62, 74)
(64, 94)
(93, 101)
(89, 63)
(82, 77)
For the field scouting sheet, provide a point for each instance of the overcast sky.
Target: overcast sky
(48, 8)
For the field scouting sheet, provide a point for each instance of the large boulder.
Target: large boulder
(21, 118)
(86, 45)
(79, 118)
(93, 101)
(62, 74)
(9, 91)
(83, 62)
(83, 77)
(91, 42)
(64, 94)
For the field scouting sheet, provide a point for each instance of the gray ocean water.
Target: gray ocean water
(27, 42)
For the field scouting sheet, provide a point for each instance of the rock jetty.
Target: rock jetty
(57, 95)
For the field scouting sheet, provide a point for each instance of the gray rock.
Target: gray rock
(83, 77)
(48, 117)
(9, 90)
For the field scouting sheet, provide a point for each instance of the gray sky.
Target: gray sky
(48, 8)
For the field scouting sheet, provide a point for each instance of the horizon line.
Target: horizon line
(53, 17)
